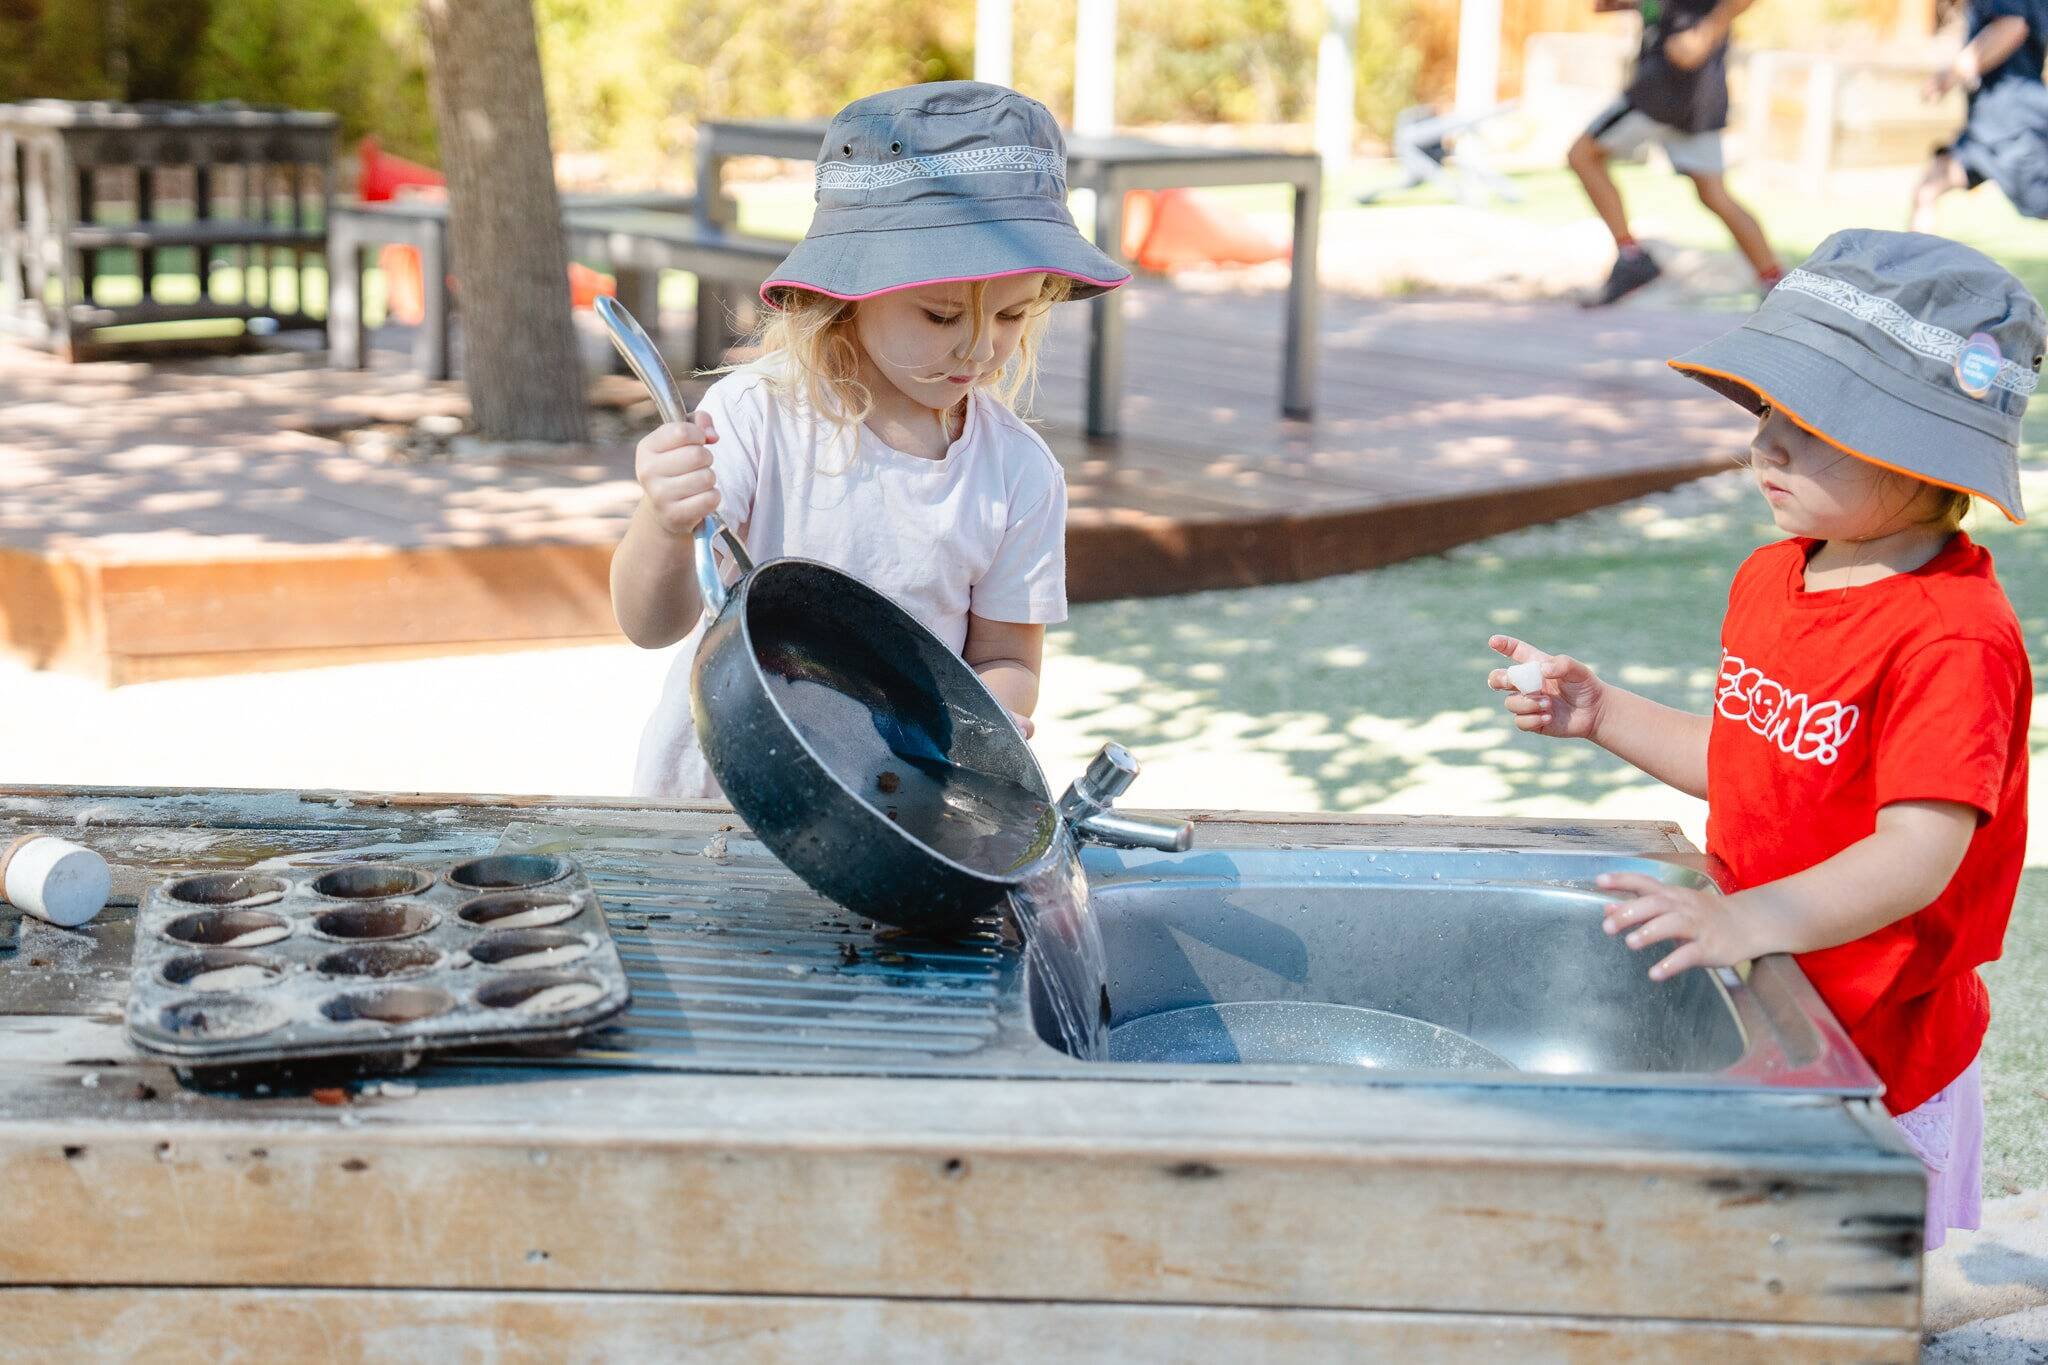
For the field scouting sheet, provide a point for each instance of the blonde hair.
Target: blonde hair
(815, 332)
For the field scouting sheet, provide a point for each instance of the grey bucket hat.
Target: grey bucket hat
(954, 180)
(1912, 352)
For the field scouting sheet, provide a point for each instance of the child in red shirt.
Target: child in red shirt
(1865, 765)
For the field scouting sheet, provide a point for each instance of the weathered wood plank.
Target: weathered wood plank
(385, 597)
(231, 1327)
(1119, 1195)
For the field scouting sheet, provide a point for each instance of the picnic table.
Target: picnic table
(1110, 166)
(636, 235)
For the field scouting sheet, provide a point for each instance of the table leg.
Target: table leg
(145, 214)
(715, 302)
(88, 261)
(347, 338)
(202, 213)
(430, 347)
(640, 295)
(1106, 318)
(1304, 306)
(713, 331)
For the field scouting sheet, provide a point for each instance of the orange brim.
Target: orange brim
(1770, 400)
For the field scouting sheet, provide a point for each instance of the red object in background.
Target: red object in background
(1168, 230)
(404, 296)
(380, 175)
(586, 285)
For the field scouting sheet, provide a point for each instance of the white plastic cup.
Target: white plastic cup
(55, 879)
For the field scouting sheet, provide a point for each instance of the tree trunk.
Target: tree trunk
(505, 223)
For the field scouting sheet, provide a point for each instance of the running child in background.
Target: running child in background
(2005, 138)
(1677, 97)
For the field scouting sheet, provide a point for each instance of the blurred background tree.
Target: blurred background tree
(633, 77)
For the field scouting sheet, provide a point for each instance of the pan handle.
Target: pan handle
(710, 587)
(640, 352)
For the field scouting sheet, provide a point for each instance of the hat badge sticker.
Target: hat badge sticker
(1977, 365)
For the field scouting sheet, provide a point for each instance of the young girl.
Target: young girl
(875, 433)
(1865, 765)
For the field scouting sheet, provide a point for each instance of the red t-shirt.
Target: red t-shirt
(1831, 705)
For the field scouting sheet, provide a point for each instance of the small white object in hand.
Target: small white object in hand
(1527, 677)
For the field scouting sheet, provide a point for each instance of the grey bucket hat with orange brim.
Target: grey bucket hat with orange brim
(1908, 351)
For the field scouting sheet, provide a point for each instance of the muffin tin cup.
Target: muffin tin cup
(370, 961)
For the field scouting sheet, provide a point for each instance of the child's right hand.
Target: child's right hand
(673, 465)
(1568, 707)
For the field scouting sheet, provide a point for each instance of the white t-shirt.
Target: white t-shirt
(982, 530)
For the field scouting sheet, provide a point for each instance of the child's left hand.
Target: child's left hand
(1715, 931)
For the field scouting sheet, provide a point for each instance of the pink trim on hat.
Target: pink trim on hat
(948, 279)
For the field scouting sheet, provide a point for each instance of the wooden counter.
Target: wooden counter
(519, 1214)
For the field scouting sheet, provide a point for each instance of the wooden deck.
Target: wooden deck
(180, 518)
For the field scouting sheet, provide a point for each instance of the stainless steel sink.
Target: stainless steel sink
(1503, 948)
(737, 966)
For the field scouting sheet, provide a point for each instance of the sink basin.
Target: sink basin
(1363, 964)
(1474, 965)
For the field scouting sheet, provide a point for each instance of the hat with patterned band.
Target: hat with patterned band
(1914, 353)
(931, 184)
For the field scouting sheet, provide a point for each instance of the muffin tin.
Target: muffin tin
(373, 961)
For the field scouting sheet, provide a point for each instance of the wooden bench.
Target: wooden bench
(637, 244)
(635, 236)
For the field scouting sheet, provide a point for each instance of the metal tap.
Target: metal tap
(1088, 807)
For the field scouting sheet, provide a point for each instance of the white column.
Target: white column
(1095, 67)
(992, 41)
(1478, 55)
(1336, 83)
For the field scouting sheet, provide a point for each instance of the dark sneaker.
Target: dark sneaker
(1632, 270)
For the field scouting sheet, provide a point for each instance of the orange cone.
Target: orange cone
(1180, 229)
(587, 285)
(405, 295)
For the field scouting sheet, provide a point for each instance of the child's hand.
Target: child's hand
(1023, 724)
(1688, 51)
(1714, 931)
(1568, 707)
(673, 464)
